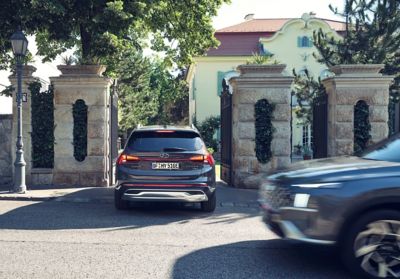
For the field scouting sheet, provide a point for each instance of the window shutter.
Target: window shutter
(298, 41)
(220, 76)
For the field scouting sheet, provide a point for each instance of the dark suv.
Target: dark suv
(165, 163)
(350, 201)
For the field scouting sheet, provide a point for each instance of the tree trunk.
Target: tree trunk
(86, 41)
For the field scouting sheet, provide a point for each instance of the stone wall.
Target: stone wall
(86, 83)
(258, 82)
(6, 141)
(351, 84)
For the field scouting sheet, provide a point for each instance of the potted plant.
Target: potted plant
(298, 149)
(307, 152)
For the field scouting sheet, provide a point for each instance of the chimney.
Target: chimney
(249, 17)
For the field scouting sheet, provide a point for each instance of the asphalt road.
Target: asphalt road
(54, 239)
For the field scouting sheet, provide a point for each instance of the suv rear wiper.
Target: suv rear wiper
(172, 149)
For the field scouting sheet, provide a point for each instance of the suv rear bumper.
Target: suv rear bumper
(165, 193)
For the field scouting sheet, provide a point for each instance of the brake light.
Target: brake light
(123, 158)
(165, 131)
(207, 159)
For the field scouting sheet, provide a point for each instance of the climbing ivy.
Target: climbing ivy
(263, 113)
(362, 127)
(42, 120)
(80, 112)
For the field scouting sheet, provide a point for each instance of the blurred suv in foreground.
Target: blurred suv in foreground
(350, 201)
(165, 164)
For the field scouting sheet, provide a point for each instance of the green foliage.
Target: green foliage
(80, 112)
(260, 59)
(308, 92)
(42, 120)
(372, 37)
(362, 127)
(101, 30)
(263, 113)
(150, 94)
(7, 91)
(207, 129)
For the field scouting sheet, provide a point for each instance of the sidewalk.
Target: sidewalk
(227, 196)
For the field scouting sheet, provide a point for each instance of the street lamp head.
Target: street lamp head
(19, 43)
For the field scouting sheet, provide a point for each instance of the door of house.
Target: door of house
(320, 127)
(226, 133)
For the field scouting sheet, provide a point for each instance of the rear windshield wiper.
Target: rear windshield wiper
(172, 149)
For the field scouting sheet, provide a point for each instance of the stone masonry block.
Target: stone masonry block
(96, 113)
(96, 147)
(64, 131)
(246, 148)
(63, 148)
(92, 179)
(69, 164)
(281, 147)
(95, 98)
(379, 131)
(378, 114)
(247, 130)
(282, 129)
(344, 147)
(273, 95)
(63, 114)
(246, 112)
(344, 113)
(66, 178)
(96, 130)
(344, 130)
(282, 112)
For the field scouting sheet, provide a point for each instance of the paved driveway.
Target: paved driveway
(83, 236)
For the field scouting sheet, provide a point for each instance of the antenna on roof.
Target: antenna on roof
(249, 17)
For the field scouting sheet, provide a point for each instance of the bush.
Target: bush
(207, 129)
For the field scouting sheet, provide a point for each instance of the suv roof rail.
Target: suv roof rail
(139, 126)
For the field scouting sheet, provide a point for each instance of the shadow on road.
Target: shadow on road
(96, 210)
(262, 259)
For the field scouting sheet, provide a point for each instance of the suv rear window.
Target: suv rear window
(154, 141)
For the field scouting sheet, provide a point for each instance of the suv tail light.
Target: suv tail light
(123, 158)
(206, 159)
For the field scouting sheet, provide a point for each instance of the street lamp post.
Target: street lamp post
(19, 46)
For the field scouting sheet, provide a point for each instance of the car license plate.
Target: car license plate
(165, 166)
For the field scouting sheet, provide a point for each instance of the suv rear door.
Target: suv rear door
(163, 155)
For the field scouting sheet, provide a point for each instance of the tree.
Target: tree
(372, 37)
(150, 94)
(102, 29)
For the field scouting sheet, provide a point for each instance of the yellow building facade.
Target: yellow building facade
(289, 40)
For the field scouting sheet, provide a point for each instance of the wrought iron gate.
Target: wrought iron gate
(320, 127)
(113, 126)
(226, 133)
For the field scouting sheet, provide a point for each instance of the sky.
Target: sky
(228, 14)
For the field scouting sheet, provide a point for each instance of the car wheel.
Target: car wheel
(119, 203)
(371, 247)
(209, 206)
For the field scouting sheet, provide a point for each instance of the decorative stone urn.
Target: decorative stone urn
(255, 70)
(78, 70)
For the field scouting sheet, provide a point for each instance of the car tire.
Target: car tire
(119, 203)
(369, 243)
(210, 204)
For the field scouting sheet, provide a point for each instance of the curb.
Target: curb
(14, 198)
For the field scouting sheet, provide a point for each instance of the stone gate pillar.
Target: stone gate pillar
(27, 78)
(81, 82)
(351, 84)
(258, 82)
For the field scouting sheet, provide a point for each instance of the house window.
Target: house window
(304, 41)
(307, 135)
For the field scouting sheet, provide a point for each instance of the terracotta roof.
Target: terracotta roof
(272, 25)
